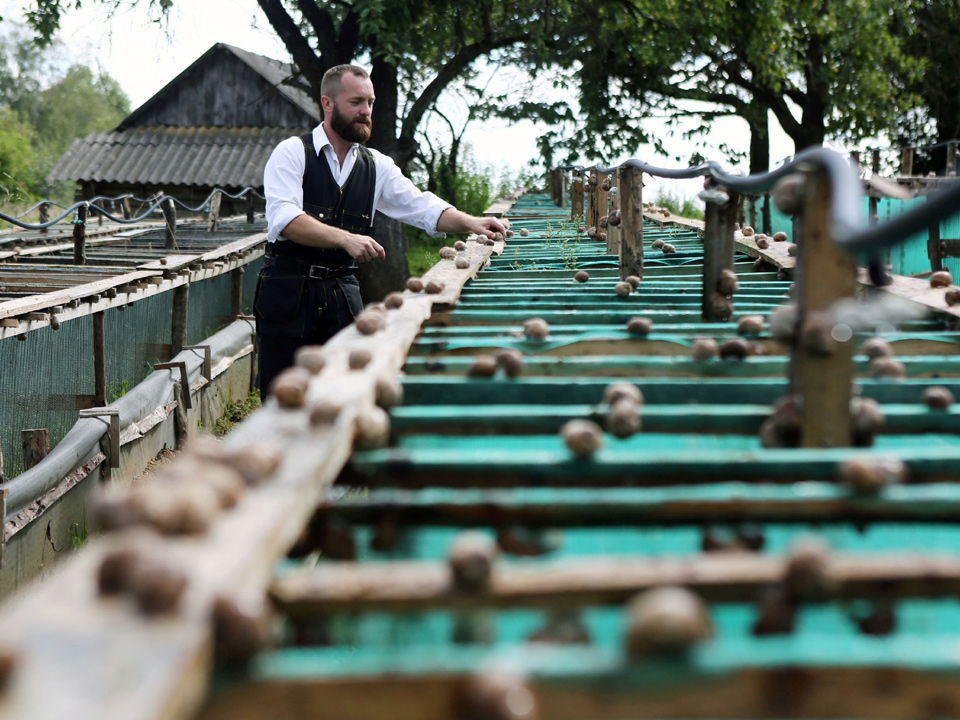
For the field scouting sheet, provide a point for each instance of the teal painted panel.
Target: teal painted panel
(908, 258)
(825, 636)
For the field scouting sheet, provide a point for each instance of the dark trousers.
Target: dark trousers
(293, 310)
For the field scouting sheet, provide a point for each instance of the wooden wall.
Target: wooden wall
(222, 91)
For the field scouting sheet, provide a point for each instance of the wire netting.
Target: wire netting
(41, 376)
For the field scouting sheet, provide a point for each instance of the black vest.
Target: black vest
(349, 207)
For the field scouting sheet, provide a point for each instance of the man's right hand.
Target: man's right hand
(362, 248)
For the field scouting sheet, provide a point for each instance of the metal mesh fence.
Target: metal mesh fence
(41, 376)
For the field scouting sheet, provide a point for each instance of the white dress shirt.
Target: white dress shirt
(394, 195)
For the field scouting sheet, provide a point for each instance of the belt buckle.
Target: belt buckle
(319, 272)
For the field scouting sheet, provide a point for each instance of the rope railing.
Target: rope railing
(156, 201)
(848, 223)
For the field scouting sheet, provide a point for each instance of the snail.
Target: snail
(290, 387)
(582, 437)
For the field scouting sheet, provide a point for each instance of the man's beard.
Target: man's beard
(348, 130)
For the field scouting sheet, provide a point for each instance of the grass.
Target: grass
(235, 412)
(423, 251)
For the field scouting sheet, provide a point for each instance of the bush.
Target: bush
(471, 189)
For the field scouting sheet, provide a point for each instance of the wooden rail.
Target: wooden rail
(160, 667)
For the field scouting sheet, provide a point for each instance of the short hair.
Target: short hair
(330, 85)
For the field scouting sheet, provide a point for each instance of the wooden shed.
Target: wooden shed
(215, 124)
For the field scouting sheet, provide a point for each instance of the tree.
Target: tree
(931, 39)
(823, 68)
(48, 107)
(16, 157)
(73, 106)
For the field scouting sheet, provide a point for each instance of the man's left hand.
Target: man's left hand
(488, 227)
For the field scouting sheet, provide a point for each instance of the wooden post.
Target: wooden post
(906, 162)
(602, 203)
(250, 208)
(593, 204)
(753, 211)
(170, 224)
(99, 361)
(767, 220)
(125, 205)
(934, 247)
(178, 329)
(254, 354)
(236, 292)
(557, 177)
(951, 158)
(821, 368)
(44, 217)
(576, 196)
(80, 237)
(180, 425)
(613, 233)
(728, 219)
(631, 222)
(214, 221)
(875, 168)
(713, 248)
(36, 445)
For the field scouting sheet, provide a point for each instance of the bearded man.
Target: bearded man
(323, 190)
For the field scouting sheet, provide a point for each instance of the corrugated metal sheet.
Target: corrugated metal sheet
(228, 157)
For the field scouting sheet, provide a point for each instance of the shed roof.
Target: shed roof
(280, 75)
(225, 157)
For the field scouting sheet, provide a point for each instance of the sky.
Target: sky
(144, 55)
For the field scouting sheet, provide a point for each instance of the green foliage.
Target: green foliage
(119, 390)
(678, 204)
(78, 534)
(16, 158)
(235, 412)
(566, 240)
(471, 187)
(43, 108)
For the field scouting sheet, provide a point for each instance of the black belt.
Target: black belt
(319, 272)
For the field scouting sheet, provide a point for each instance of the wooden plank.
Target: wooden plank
(722, 682)
(171, 263)
(776, 254)
(723, 577)
(663, 508)
(499, 208)
(454, 278)
(62, 297)
(917, 290)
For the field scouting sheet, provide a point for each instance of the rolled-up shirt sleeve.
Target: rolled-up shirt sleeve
(283, 186)
(404, 201)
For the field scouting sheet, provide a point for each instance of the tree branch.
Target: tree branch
(303, 55)
(450, 71)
